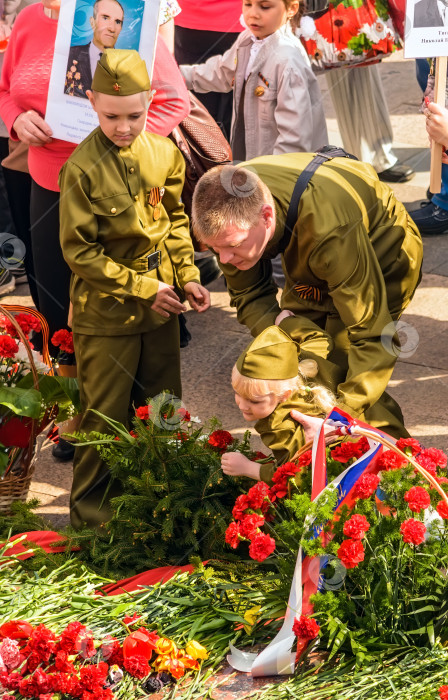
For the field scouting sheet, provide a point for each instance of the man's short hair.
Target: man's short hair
(95, 7)
(227, 195)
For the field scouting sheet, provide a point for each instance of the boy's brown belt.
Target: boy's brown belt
(144, 264)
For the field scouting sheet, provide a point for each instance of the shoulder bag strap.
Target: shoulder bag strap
(324, 154)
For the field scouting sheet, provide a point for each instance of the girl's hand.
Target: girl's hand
(283, 314)
(32, 129)
(311, 425)
(236, 464)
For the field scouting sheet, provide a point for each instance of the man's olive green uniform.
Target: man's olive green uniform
(352, 265)
(119, 205)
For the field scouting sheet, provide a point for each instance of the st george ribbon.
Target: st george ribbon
(277, 658)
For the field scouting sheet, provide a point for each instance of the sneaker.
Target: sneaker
(7, 282)
(64, 451)
(431, 220)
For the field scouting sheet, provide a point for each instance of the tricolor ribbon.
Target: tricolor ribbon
(277, 658)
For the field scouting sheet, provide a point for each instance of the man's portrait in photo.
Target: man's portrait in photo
(431, 13)
(106, 23)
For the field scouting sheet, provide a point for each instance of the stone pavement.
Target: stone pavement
(420, 379)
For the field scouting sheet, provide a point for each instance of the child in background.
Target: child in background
(269, 382)
(125, 236)
(277, 105)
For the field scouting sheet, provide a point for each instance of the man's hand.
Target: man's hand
(32, 129)
(167, 302)
(282, 315)
(236, 464)
(311, 425)
(197, 296)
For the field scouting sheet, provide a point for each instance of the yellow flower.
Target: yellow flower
(251, 618)
(162, 663)
(165, 646)
(196, 650)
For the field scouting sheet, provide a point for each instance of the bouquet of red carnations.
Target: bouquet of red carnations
(36, 663)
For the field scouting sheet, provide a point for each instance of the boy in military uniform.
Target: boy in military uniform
(125, 236)
(352, 261)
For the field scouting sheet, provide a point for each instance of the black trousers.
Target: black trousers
(18, 187)
(195, 46)
(51, 271)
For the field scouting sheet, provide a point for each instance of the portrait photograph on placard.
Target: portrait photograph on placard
(426, 29)
(99, 25)
(86, 29)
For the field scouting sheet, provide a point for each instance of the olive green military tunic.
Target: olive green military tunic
(351, 265)
(119, 205)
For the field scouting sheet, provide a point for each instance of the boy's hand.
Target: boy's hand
(236, 464)
(198, 296)
(282, 315)
(167, 302)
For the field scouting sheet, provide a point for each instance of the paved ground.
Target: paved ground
(421, 378)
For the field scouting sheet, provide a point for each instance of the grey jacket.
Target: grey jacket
(283, 108)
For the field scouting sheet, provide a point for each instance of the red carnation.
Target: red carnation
(62, 683)
(92, 677)
(366, 485)
(28, 687)
(12, 681)
(390, 460)
(345, 452)
(257, 494)
(137, 666)
(409, 445)
(413, 531)
(241, 505)
(250, 524)
(232, 535)
(62, 664)
(443, 692)
(442, 509)
(417, 499)
(184, 414)
(27, 323)
(69, 637)
(42, 643)
(8, 346)
(351, 553)
(221, 439)
(281, 479)
(356, 527)
(261, 547)
(305, 459)
(63, 339)
(143, 412)
(43, 681)
(437, 456)
(305, 627)
(128, 620)
(426, 462)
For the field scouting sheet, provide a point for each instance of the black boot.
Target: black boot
(64, 451)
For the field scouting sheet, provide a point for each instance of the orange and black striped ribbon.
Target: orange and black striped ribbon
(306, 291)
(153, 196)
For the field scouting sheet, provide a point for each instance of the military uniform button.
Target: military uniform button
(113, 210)
(132, 170)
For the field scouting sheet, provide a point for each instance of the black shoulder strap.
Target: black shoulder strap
(324, 154)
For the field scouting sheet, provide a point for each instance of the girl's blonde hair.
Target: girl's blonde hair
(254, 389)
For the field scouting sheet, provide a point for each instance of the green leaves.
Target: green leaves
(23, 402)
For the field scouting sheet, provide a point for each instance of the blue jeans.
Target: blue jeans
(441, 200)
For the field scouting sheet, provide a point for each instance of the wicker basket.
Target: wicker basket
(14, 486)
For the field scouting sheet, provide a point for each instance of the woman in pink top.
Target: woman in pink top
(23, 98)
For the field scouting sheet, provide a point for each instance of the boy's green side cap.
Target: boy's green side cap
(121, 72)
(271, 355)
